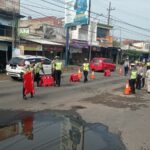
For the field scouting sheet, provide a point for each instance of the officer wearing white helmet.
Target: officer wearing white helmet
(28, 68)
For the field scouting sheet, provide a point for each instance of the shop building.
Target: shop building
(9, 16)
(42, 36)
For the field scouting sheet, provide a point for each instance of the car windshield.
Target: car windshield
(16, 60)
(97, 61)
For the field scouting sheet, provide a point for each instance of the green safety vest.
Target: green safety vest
(86, 66)
(38, 68)
(133, 74)
(29, 69)
(58, 65)
(148, 64)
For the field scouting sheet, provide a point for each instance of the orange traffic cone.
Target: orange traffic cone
(127, 89)
(79, 74)
(92, 75)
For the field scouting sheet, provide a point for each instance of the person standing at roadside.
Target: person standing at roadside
(133, 76)
(85, 67)
(126, 67)
(53, 66)
(148, 79)
(143, 73)
(58, 71)
(38, 67)
(139, 76)
(28, 80)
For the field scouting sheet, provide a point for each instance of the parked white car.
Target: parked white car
(15, 67)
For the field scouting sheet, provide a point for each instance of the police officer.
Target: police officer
(148, 64)
(38, 67)
(58, 71)
(148, 79)
(133, 76)
(85, 69)
(53, 66)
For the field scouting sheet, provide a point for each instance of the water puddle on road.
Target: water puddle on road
(53, 131)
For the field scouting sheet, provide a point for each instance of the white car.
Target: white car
(15, 67)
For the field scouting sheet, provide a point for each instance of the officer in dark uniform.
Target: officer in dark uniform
(58, 71)
(37, 69)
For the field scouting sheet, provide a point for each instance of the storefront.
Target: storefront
(78, 51)
(31, 49)
(50, 51)
(5, 53)
(42, 47)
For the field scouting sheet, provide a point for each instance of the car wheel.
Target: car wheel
(14, 78)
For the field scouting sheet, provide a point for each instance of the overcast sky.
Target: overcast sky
(134, 12)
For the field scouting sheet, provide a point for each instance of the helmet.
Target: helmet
(56, 57)
(132, 64)
(27, 63)
(85, 59)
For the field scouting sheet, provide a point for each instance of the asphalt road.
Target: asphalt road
(98, 101)
(50, 97)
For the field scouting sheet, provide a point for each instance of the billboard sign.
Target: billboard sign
(54, 33)
(76, 12)
(24, 32)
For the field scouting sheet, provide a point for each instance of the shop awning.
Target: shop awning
(43, 41)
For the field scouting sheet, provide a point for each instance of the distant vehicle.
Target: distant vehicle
(15, 67)
(101, 64)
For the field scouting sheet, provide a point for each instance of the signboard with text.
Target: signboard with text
(76, 12)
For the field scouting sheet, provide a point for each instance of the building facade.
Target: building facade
(9, 16)
(42, 36)
(88, 41)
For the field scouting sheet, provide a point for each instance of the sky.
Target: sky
(134, 15)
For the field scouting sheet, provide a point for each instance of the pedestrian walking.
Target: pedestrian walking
(133, 76)
(38, 67)
(58, 71)
(28, 80)
(148, 79)
(126, 67)
(85, 67)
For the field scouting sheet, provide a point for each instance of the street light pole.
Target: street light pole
(67, 46)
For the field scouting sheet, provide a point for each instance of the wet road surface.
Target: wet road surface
(55, 131)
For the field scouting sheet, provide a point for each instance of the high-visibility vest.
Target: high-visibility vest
(38, 67)
(148, 64)
(133, 74)
(29, 69)
(58, 65)
(86, 66)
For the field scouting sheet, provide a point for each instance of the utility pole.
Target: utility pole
(109, 12)
(67, 46)
(91, 38)
(13, 28)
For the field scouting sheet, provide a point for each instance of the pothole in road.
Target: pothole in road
(117, 101)
(54, 130)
